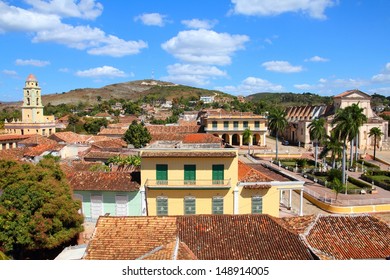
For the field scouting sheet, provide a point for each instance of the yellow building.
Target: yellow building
(33, 121)
(230, 126)
(198, 175)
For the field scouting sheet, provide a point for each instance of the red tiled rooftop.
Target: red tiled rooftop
(249, 174)
(344, 237)
(103, 181)
(201, 138)
(9, 137)
(204, 237)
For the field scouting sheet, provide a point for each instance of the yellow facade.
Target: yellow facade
(230, 127)
(169, 195)
(33, 120)
(203, 189)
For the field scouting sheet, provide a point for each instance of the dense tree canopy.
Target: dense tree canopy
(37, 212)
(137, 135)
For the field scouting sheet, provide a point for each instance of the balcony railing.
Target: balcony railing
(233, 129)
(188, 184)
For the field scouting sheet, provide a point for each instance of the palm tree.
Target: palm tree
(334, 146)
(246, 135)
(359, 119)
(337, 186)
(277, 122)
(377, 133)
(317, 134)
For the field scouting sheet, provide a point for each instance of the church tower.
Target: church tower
(32, 108)
(33, 121)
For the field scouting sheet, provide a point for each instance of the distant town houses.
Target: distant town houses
(300, 117)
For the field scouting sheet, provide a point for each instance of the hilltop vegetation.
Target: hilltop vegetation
(286, 99)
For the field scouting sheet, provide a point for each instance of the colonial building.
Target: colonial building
(33, 121)
(199, 175)
(300, 117)
(230, 126)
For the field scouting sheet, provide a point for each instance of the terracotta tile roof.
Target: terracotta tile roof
(184, 154)
(201, 138)
(168, 252)
(12, 154)
(269, 173)
(73, 166)
(112, 131)
(297, 224)
(69, 137)
(103, 115)
(249, 237)
(169, 129)
(128, 238)
(41, 148)
(348, 92)
(99, 155)
(104, 181)
(204, 237)
(36, 139)
(8, 137)
(110, 144)
(345, 237)
(248, 174)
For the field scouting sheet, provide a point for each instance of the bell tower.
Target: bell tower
(32, 108)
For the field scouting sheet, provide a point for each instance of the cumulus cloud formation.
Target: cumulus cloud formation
(16, 19)
(101, 72)
(155, 19)
(314, 8)
(44, 21)
(204, 46)
(32, 62)
(86, 9)
(252, 85)
(191, 74)
(281, 67)
(199, 24)
(316, 58)
(383, 77)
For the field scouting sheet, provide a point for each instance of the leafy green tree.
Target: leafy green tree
(360, 118)
(137, 135)
(37, 212)
(277, 122)
(377, 133)
(317, 134)
(93, 126)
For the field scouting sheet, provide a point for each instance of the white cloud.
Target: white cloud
(155, 19)
(86, 9)
(204, 46)
(49, 28)
(32, 62)
(317, 58)
(314, 8)
(252, 85)
(190, 74)
(93, 39)
(9, 72)
(281, 66)
(199, 24)
(16, 19)
(101, 72)
(116, 47)
(383, 77)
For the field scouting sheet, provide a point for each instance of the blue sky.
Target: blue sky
(237, 46)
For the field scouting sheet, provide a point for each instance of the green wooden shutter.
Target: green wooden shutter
(162, 174)
(217, 205)
(162, 206)
(218, 174)
(190, 174)
(257, 205)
